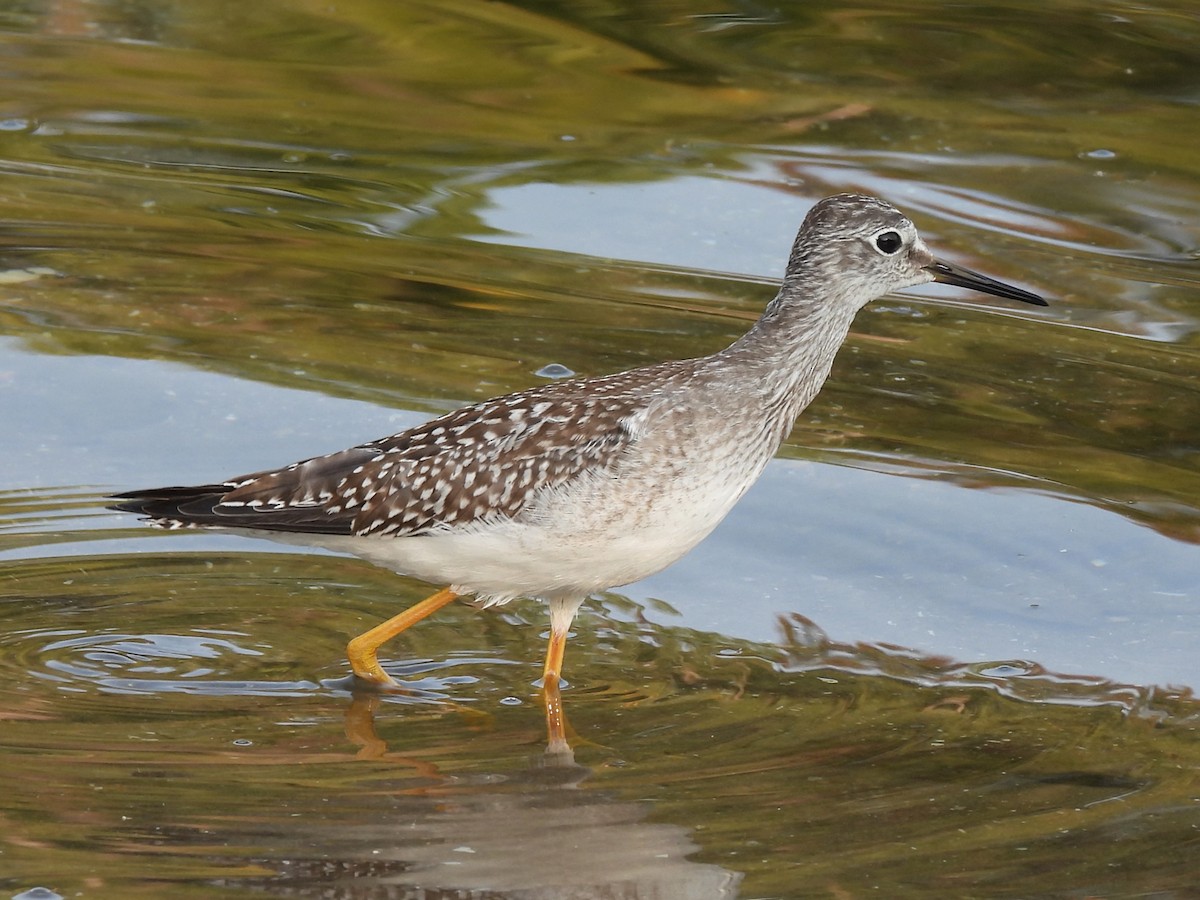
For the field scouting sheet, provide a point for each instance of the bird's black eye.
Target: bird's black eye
(888, 242)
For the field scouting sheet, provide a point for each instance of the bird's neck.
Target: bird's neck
(790, 350)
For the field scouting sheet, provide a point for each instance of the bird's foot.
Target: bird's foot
(377, 682)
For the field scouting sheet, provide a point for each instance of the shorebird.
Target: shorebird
(566, 489)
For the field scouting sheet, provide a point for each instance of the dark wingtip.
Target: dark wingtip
(165, 502)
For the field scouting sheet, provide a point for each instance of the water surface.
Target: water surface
(946, 647)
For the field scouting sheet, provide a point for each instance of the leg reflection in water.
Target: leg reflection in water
(459, 819)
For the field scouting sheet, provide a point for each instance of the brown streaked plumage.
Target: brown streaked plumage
(578, 486)
(473, 463)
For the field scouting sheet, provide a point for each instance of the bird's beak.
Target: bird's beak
(948, 273)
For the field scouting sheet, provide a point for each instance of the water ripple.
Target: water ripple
(127, 663)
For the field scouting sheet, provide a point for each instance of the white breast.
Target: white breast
(606, 528)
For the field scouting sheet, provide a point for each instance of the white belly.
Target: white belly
(598, 532)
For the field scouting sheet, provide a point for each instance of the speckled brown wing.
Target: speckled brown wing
(481, 461)
(486, 461)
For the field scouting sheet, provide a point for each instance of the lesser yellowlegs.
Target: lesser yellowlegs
(570, 488)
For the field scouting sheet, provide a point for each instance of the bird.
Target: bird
(574, 487)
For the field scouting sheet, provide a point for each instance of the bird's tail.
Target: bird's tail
(174, 506)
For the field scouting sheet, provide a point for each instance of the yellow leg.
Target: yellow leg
(552, 670)
(562, 613)
(362, 650)
(556, 720)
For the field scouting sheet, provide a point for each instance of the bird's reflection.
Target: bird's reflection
(528, 833)
(364, 704)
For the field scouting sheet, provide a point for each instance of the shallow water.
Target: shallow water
(946, 647)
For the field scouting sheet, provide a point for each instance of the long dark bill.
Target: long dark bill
(948, 273)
